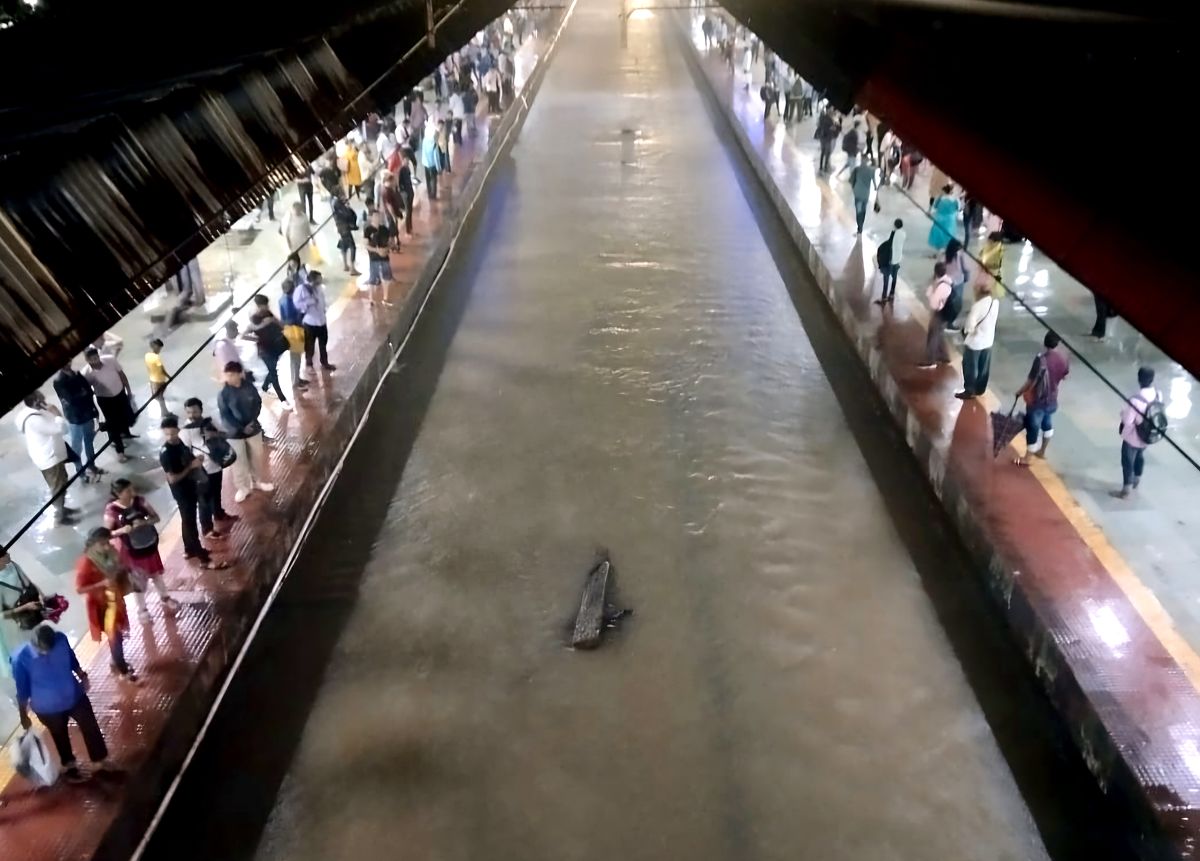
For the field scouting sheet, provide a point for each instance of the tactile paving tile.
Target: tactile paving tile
(194, 648)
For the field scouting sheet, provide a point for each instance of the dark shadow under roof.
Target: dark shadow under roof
(120, 165)
(1066, 118)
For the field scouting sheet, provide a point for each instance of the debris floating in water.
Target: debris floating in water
(613, 616)
(595, 614)
(590, 620)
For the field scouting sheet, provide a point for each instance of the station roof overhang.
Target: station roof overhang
(1069, 119)
(133, 133)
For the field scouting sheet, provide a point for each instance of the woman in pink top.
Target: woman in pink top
(127, 514)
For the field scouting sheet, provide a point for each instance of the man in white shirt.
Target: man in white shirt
(311, 302)
(44, 428)
(109, 344)
(296, 229)
(980, 332)
(225, 348)
(113, 394)
(196, 434)
(491, 86)
(508, 72)
(458, 113)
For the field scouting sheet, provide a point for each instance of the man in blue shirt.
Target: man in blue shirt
(292, 320)
(49, 679)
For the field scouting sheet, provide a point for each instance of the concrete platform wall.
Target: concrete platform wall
(1024, 613)
(267, 565)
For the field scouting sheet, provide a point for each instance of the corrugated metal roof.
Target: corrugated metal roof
(98, 207)
(1064, 117)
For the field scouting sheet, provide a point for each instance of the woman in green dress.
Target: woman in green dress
(945, 219)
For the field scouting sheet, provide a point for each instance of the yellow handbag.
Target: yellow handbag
(295, 337)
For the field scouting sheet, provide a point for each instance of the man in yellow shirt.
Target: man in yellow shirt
(158, 375)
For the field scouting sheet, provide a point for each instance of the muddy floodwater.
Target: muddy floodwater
(612, 359)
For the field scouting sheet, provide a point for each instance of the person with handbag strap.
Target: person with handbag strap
(188, 481)
(131, 520)
(44, 429)
(979, 334)
(1040, 392)
(206, 440)
(240, 406)
(20, 604)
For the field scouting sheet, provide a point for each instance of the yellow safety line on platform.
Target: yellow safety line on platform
(86, 649)
(1141, 596)
(339, 306)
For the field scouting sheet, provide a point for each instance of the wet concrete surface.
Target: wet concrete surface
(614, 357)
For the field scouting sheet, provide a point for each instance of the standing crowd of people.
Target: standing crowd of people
(381, 163)
(877, 157)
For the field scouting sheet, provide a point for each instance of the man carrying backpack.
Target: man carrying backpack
(267, 334)
(827, 132)
(770, 97)
(345, 220)
(1040, 391)
(851, 141)
(888, 257)
(1143, 423)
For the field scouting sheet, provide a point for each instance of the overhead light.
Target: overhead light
(640, 14)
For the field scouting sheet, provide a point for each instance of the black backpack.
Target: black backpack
(1153, 425)
(850, 142)
(26, 620)
(220, 450)
(883, 255)
(953, 306)
(1041, 382)
(215, 445)
(277, 342)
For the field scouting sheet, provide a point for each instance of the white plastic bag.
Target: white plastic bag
(31, 758)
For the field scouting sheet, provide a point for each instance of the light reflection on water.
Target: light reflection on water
(629, 372)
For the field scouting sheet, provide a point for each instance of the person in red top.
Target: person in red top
(130, 519)
(103, 579)
(393, 161)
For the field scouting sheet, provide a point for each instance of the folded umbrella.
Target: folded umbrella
(1006, 427)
